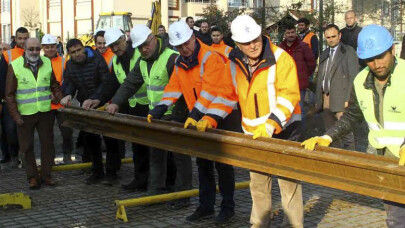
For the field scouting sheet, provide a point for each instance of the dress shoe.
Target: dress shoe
(34, 184)
(95, 178)
(110, 179)
(48, 181)
(224, 216)
(200, 213)
(5, 160)
(67, 158)
(134, 186)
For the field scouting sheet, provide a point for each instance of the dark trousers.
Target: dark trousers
(114, 150)
(92, 149)
(9, 138)
(226, 176)
(140, 152)
(66, 132)
(395, 214)
(329, 119)
(43, 123)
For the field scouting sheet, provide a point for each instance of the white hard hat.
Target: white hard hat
(179, 33)
(49, 39)
(245, 29)
(139, 34)
(112, 35)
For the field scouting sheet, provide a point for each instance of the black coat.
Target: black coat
(349, 36)
(87, 78)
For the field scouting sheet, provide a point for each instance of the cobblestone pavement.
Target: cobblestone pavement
(72, 203)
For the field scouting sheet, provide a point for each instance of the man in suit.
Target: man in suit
(338, 66)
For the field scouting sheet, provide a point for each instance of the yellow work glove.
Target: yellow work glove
(190, 121)
(263, 130)
(402, 156)
(202, 125)
(310, 144)
(149, 118)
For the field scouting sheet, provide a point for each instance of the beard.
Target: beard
(32, 58)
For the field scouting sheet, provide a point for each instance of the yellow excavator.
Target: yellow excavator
(120, 20)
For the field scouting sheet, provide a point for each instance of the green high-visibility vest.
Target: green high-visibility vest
(33, 95)
(140, 97)
(391, 133)
(157, 79)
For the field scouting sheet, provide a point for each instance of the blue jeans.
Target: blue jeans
(9, 139)
(395, 214)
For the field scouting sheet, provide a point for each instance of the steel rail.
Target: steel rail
(350, 171)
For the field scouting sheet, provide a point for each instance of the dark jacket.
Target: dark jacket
(344, 69)
(304, 60)
(205, 38)
(228, 40)
(3, 74)
(88, 78)
(134, 79)
(12, 84)
(349, 35)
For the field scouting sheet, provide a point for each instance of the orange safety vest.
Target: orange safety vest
(221, 48)
(108, 57)
(58, 66)
(13, 54)
(198, 85)
(307, 39)
(271, 95)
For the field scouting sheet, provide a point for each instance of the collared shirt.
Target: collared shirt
(332, 51)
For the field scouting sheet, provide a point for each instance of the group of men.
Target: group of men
(194, 77)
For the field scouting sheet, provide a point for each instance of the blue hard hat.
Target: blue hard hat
(373, 40)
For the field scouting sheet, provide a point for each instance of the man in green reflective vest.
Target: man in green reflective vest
(137, 104)
(152, 71)
(29, 85)
(377, 97)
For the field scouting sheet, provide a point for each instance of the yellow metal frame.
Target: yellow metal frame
(78, 166)
(15, 199)
(115, 13)
(121, 204)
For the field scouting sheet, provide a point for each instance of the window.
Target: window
(5, 6)
(238, 3)
(200, 1)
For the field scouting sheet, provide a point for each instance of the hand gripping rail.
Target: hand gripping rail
(360, 173)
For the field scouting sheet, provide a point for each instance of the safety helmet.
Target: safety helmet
(112, 35)
(245, 29)
(373, 40)
(139, 34)
(179, 33)
(48, 39)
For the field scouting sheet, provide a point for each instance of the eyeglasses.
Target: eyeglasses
(34, 49)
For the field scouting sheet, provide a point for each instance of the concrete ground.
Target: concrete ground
(72, 203)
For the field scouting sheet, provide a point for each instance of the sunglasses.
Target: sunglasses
(34, 49)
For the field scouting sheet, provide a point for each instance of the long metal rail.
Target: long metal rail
(360, 173)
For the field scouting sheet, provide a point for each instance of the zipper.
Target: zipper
(256, 106)
(195, 94)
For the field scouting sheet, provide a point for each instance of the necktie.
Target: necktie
(327, 75)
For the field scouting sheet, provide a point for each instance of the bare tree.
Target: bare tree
(30, 17)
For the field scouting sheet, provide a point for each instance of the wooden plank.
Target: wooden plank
(360, 173)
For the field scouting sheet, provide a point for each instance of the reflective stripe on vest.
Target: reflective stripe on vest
(157, 79)
(391, 133)
(203, 62)
(10, 58)
(33, 95)
(140, 96)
